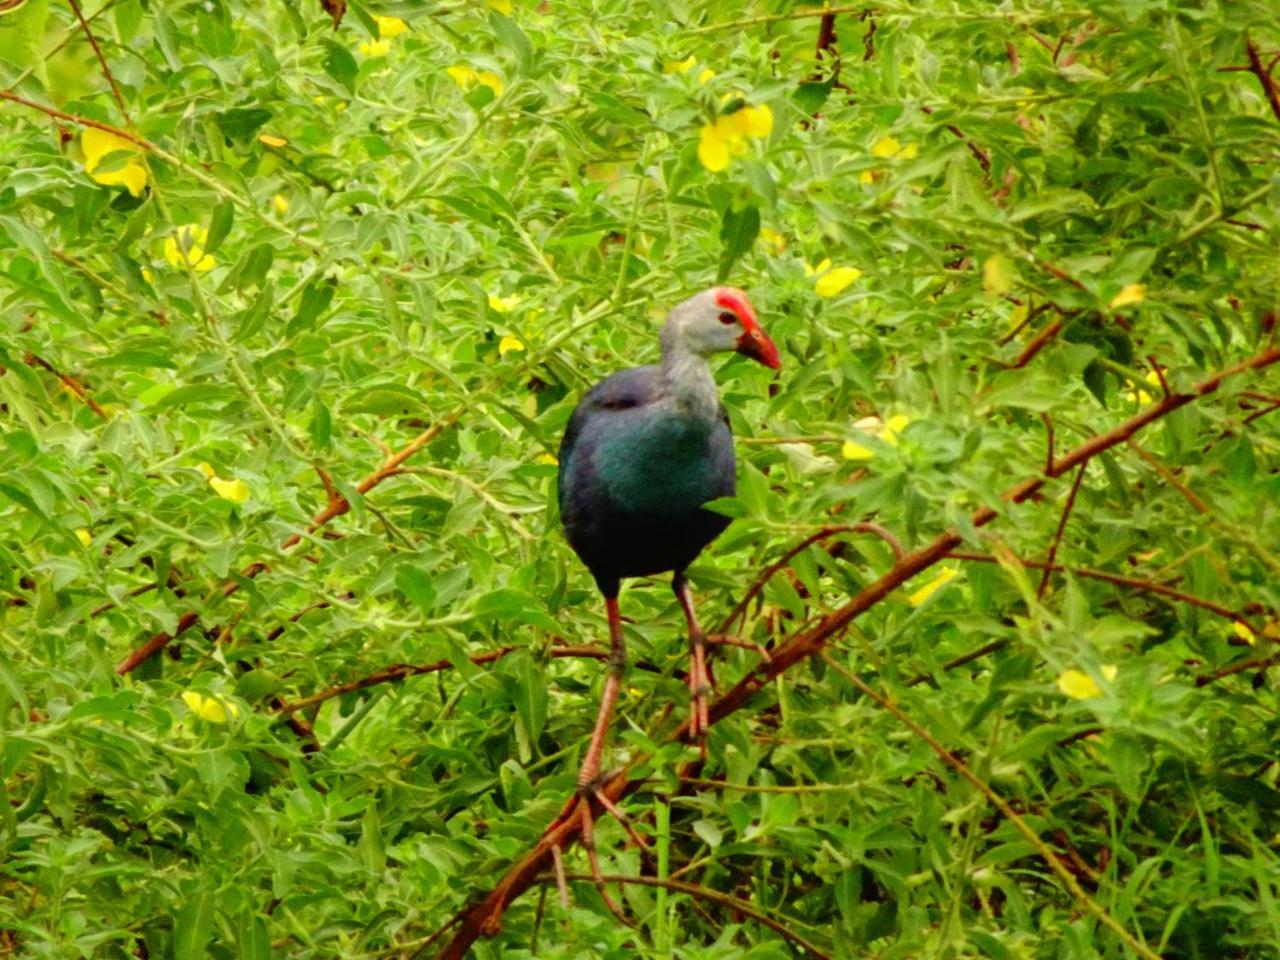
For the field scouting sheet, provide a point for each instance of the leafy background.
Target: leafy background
(373, 269)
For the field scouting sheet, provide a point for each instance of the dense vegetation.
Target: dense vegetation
(296, 662)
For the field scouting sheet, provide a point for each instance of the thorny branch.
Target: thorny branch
(484, 917)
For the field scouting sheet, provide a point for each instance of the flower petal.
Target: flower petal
(851, 450)
(885, 147)
(1078, 685)
(237, 491)
(509, 344)
(925, 592)
(1130, 293)
(834, 281)
(712, 150)
(390, 27)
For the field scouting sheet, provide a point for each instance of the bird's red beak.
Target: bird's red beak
(754, 342)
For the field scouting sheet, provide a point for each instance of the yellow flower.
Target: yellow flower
(1130, 293)
(504, 7)
(834, 281)
(547, 459)
(888, 148)
(207, 470)
(885, 148)
(466, 77)
(712, 150)
(928, 590)
(390, 27)
(706, 76)
(186, 246)
(237, 491)
(1239, 629)
(210, 708)
(719, 142)
(281, 204)
(831, 282)
(271, 140)
(503, 304)
(893, 427)
(374, 48)
(772, 241)
(759, 120)
(997, 275)
(1140, 396)
(83, 536)
(852, 450)
(509, 344)
(1080, 686)
(96, 144)
(679, 66)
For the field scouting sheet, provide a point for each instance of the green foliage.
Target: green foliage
(340, 252)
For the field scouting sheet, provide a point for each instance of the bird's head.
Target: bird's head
(720, 320)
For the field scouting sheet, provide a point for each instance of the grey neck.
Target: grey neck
(687, 378)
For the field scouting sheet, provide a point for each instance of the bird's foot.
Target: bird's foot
(580, 808)
(699, 704)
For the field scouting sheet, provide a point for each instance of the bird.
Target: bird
(643, 451)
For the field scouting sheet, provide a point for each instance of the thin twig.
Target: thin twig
(401, 671)
(106, 70)
(824, 534)
(71, 383)
(705, 893)
(1264, 77)
(1057, 536)
(1120, 580)
(1261, 663)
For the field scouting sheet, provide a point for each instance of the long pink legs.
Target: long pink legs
(589, 786)
(699, 676)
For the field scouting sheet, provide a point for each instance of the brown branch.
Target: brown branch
(484, 917)
(1264, 77)
(1261, 663)
(71, 383)
(1031, 315)
(1171, 478)
(106, 70)
(133, 138)
(400, 671)
(824, 534)
(705, 893)
(1057, 536)
(1134, 583)
(964, 658)
(1035, 346)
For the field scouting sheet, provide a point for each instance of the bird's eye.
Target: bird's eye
(727, 318)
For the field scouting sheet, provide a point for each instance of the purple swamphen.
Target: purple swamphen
(643, 451)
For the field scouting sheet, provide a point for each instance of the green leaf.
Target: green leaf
(219, 225)
(416, 585)
(241, 123)
(341, 65)
(738, 231)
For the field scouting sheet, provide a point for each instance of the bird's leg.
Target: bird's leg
(699, 676)
(589, 786)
